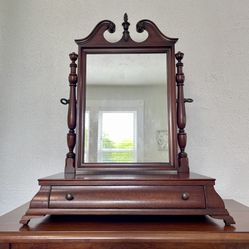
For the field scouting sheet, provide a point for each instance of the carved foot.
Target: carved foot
(26, 218)
(228, 220)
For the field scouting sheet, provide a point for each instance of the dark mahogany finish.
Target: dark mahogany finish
(127, 189)
(71, 118)
(156, 42)
(154, 192)
(181, 115)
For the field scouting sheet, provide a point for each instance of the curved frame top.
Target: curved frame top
(96, 37)
(156, 42)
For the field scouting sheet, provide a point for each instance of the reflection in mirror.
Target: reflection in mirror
(126, 119)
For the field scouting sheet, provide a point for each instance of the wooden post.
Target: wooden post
(181, 116)
(71, 116)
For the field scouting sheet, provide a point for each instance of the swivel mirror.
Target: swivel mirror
(121, 114)
(126, 140)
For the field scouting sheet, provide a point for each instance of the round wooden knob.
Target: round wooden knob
(69, 197)
(185, 196)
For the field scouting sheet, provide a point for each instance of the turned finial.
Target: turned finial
(72, 78)
(73, 56)
(126, 24)
(179, 65)
(179, 56)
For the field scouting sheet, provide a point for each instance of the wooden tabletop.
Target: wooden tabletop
(128, 228)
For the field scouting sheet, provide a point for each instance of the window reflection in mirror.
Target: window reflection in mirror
(114, 145)
(126, 119)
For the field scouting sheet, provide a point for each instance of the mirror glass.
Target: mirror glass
(126, 117)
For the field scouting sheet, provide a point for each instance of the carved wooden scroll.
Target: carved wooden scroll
(155, 37)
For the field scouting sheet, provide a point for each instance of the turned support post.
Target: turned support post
(71, 116)
(181, 116)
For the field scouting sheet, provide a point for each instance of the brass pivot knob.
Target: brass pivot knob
(185, 196)
(69, 197)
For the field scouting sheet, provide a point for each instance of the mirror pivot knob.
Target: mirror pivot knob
(64, 101)
(188, 100)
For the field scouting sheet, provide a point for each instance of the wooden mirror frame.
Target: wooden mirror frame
(156, 42)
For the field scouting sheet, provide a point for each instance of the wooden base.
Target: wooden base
(154, 192)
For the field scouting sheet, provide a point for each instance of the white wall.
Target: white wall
(36, 37)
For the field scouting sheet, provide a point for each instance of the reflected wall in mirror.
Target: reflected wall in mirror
(126, 108)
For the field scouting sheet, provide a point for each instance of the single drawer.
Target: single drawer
(126, 197)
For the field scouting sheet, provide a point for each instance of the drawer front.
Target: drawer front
(127, 197)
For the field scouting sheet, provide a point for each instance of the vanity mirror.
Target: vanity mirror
(126, 108)
(123, 122)
(127, 139)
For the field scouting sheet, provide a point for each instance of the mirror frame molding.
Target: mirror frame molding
(95, 42)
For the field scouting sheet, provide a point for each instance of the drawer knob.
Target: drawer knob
(69, 197)
(185, 196)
